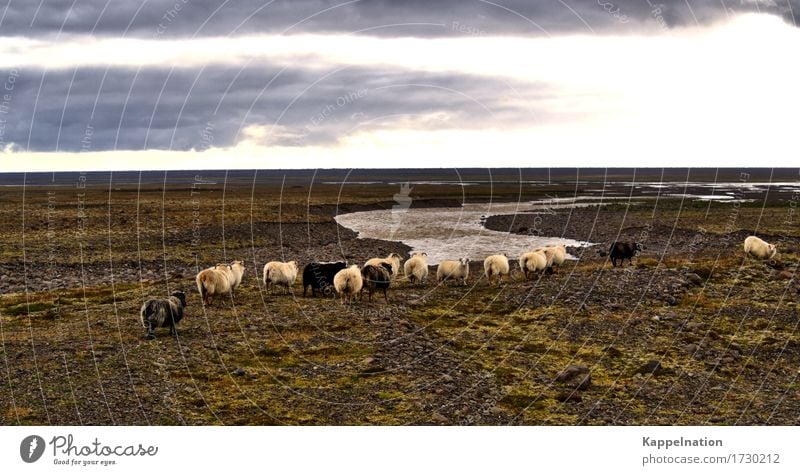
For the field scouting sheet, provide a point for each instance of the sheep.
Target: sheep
(496, 265)
(622, 251)
(167, 312)
(533, 261)
(453, 269)
(758, 248)
(394, 259)
(556, 255)
(280, 273)
(217, 280)
(319, 275)
(348, 283)
(416, 268)
(377, 278)
(237, 270)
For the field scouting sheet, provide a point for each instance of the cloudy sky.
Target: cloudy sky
(153, 84)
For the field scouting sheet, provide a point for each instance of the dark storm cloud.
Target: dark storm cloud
(174, 18)
(95, 110)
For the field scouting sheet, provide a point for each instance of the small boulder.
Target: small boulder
(652, 367)
(694, 279)
(439, 419)
(576, 376)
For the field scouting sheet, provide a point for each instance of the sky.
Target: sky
(218, 84)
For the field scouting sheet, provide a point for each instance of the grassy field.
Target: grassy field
(693, 333)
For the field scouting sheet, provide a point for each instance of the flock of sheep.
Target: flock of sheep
(349, 282)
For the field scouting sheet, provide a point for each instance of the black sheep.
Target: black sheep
(624, 250)
(377, 278)
(157, 313)
(319, 275)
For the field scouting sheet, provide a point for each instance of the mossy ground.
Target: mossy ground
(73, 351)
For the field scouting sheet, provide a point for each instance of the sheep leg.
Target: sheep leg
(172, 331)
(151, 332)
(385, 296)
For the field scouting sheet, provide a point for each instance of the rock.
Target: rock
(783, 275)
(652, 367)
(439, 419)
(447, 378)
(694, 279)
(692, 348)
(368, 361)
(671, 300)
(568, 396)
(613, 352)
(576, 376)
(239, 372)
(694, 326)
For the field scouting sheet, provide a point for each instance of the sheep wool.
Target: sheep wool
(348, 283)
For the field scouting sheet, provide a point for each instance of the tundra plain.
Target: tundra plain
(692, 333)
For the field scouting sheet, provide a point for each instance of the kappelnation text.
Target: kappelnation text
(668, 443)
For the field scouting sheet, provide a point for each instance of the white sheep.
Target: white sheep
(348, 283)
(237, 271)
(556, 255)
(416, 268)
(392, 259)
(759, 248)
(532, 262)
(496, 265)
(453, 269)
(217, 280)
(280, 273)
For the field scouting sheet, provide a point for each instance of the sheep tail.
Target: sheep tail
(201, 287)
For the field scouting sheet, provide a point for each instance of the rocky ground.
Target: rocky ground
(692, 333)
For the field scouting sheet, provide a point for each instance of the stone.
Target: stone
(439, 419)
(694, 279)
(652, 367)
(576, 376)
(239, 372)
